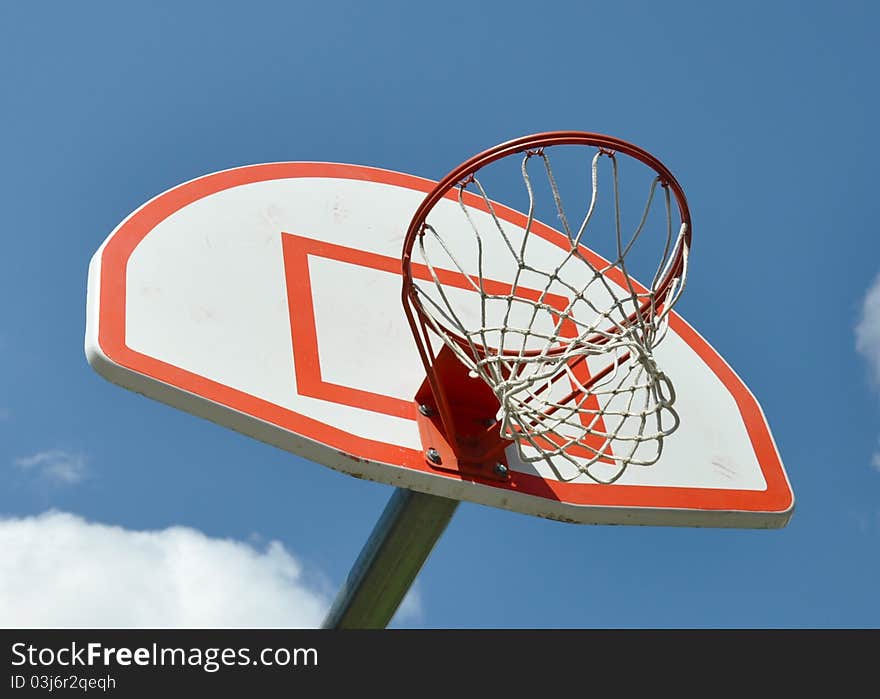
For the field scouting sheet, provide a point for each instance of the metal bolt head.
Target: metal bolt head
(433, 455)
(501, 470)
(426, 410)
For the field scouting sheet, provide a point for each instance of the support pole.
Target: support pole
(400, 543)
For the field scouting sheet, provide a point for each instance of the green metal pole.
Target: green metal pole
(399, 545)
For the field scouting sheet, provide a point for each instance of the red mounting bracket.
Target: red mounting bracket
(465, 440)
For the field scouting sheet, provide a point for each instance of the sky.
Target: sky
(119, 511)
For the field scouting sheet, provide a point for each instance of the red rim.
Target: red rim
(520, 145)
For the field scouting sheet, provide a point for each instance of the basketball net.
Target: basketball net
(566, 347)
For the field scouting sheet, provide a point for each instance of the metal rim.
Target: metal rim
(521, 145)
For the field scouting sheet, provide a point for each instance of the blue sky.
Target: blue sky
(120, 511)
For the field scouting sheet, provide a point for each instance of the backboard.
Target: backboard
(267, 298)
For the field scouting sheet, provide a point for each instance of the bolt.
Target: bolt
(433, 455)
(501, 470)
(426, 410)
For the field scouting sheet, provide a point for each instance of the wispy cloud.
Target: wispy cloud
(868, 342)
(59, 570)
(868, 330)
(55, 466)
(410, 610)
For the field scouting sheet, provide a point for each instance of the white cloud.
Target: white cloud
(868, 330)
(58, 570)
(410, 609)
(55, 466)
(868, 341)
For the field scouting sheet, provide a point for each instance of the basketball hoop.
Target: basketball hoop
(545, 369)
(563, 348)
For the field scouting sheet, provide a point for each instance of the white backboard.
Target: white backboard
(267, 299)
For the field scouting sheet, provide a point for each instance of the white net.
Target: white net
(566, 344)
